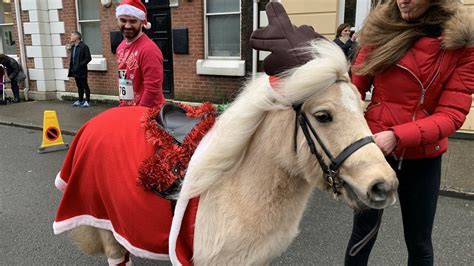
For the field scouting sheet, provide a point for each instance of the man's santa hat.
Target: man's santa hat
(133, 8)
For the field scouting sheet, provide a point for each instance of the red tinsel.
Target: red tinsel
(171, 160)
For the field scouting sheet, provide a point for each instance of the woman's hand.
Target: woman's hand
(354, 36)
(386, 141)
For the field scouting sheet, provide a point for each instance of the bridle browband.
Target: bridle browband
(330, 171)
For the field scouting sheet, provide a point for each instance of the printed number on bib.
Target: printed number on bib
(125, 89)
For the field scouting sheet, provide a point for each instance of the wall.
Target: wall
(100, 82)
(189, 86)
(321, 14)
(469, 124)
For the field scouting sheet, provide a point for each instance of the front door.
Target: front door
(159, 15)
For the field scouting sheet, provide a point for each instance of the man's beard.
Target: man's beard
(129, 33)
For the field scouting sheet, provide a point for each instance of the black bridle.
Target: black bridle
(331, 171)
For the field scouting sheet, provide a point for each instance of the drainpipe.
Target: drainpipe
(19, 25)
(255, 26)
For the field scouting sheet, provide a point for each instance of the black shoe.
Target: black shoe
(16, 100)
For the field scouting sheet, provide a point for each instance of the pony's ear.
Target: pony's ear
(282, 39)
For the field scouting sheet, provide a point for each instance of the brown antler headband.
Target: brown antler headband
(282, 39)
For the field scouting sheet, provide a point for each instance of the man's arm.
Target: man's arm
(151, 64)
(14, 67)
(87, 56)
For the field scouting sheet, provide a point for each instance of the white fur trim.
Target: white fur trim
(59, 182)
(182, 203)
(147, 25)
(69, 224)
(113, 262)
(175, 228)
(129, 10)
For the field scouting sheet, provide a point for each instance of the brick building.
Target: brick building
(204, 42)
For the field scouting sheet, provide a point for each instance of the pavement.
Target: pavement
(457, 170)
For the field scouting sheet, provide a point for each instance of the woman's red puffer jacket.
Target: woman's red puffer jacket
(423, 99)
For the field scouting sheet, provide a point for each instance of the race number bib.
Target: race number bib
(125, 87)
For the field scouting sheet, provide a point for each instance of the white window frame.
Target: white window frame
(98, 62)
(1, 44)
(206, 33)
(85, 21)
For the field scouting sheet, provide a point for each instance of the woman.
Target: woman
(15, 74)
(419, 55)
(345, 40)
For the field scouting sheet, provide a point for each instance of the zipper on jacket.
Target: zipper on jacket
(420, 102)
(423, 89)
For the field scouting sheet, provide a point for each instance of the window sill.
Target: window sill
(174, 3)
(97, 64)
(220, 67)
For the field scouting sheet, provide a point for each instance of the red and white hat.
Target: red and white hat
(133, 8)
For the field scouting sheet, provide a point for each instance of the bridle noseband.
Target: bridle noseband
(331, 171)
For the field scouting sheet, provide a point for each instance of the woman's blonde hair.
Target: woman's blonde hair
(389, 36)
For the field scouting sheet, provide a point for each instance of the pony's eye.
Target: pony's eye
(323, 117)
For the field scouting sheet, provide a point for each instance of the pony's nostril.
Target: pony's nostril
(378, 192)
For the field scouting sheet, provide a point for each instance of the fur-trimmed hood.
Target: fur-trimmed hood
(459, 30)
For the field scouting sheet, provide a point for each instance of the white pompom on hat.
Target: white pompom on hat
(133, 8)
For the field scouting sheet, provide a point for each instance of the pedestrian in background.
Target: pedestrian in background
(419, 55)
(15, 74)
(346, 40)
(140, 62)
(80, 57)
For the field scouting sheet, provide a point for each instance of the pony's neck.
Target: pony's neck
(253, 215)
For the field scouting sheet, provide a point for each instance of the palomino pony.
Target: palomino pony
(248, 181)
(252, 184)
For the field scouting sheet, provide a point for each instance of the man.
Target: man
(15, 74)
(140, 62)
(80, 57)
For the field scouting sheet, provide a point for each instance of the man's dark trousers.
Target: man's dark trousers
(83, 87)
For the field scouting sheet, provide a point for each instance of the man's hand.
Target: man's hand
(386, 141)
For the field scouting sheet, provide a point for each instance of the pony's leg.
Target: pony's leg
(116, 254)
(93, 241)
(88, 240)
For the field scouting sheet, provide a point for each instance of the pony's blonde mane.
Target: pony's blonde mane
(233, 130)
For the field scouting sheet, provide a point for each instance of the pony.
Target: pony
(252, 184)
(248, 181)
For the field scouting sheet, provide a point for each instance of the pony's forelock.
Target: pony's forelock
(234, 128)
(328, 65)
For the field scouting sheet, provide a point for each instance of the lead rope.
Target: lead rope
(361, 244)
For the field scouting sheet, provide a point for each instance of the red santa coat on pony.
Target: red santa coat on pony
(99, 181)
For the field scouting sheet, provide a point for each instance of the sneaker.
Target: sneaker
(85, 104)
(77, 103)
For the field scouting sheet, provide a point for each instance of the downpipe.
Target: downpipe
(255, 27)
(19, 25)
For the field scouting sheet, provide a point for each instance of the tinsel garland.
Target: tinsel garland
(171, 159)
